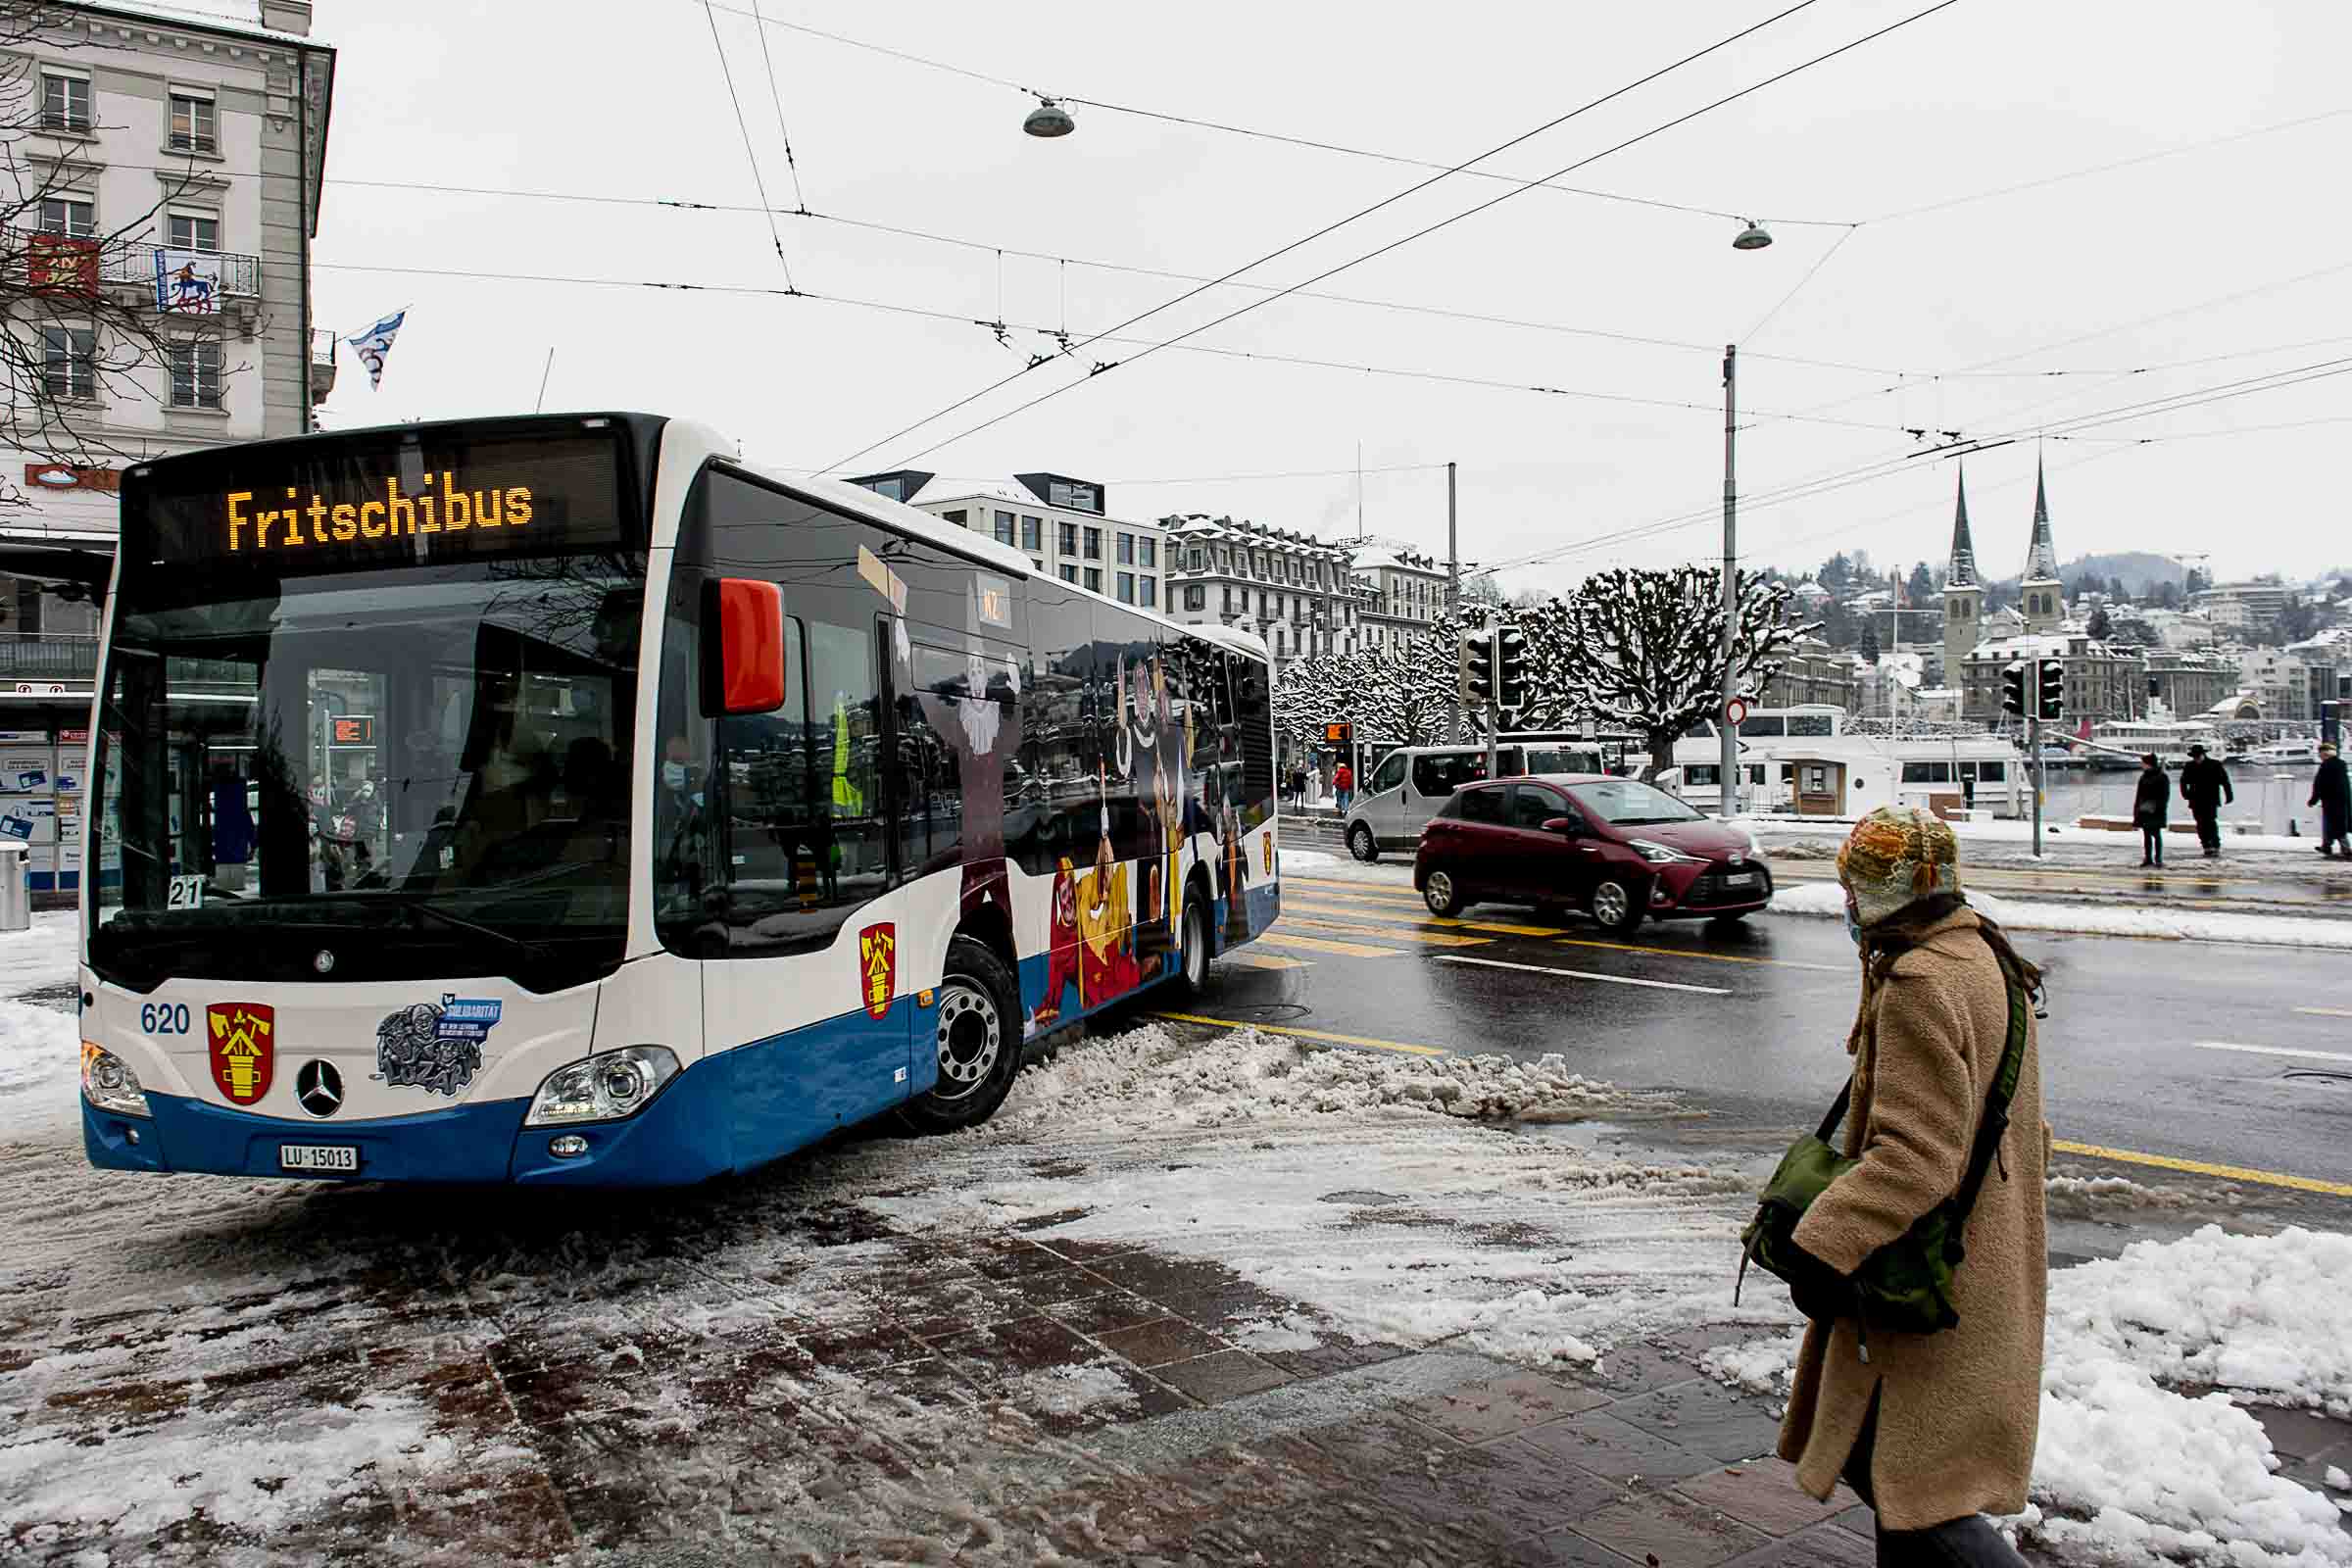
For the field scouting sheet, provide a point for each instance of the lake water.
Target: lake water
(2270, 795)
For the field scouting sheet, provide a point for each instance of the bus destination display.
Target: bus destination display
(383, 505)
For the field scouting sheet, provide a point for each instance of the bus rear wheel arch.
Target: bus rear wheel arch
(976, 1033)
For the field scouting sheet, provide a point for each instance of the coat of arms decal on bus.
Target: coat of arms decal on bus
(877, 967)
(241, 1035)
(436, 1049)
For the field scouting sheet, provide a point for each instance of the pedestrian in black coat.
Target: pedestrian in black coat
(2205, 786)
(2332, 793)
(2150, 807)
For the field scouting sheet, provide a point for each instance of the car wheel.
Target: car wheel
(977, 1032)
(1361, 844)
(1441, 893)
(1195, 973)
(1615, 904)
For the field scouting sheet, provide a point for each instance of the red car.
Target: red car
(1616, 848)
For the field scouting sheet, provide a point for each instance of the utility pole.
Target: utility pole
(2042, 775)
(1730, 768)
(1453, 598)
(1494, 702)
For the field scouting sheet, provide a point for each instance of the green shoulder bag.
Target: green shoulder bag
(1907, 1285)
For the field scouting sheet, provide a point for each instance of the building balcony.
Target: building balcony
(323, 364)
(38, 258)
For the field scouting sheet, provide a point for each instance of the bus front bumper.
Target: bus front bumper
(677, 1140)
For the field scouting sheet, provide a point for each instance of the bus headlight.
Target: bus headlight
(108, 1082)
(606, 1087)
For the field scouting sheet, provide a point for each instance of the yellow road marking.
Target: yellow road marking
(1308, 1033)
(1711, 958)
(2328, 1013)
(1265, 960)
(1360, 890)
(2198, 1167)
(1343, 950)
(1318, 906)
(1433, 939)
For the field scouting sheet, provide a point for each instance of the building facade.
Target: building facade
(2245, 608)
(2189, 682)
(1815, 672)
(1291, 589)
(1062, 524)
(1403, 592)
(2101, 682)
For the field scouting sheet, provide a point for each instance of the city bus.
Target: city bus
(561, 800)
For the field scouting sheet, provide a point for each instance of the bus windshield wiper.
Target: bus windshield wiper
(532, 951)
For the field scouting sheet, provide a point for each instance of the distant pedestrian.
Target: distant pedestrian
(2150, 810)
(2205, 786)
(1932, 1431)
(1343, 786)
(2332, 793)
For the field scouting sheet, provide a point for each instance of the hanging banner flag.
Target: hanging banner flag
(187, 283)
(61, 264)
(374, 345)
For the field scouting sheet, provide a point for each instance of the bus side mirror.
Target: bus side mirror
(749, 615)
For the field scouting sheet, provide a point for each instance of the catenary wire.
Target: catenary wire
(1382, 250)
(775, 96)
(1820, 261)
(1309, 238)
(750, 155)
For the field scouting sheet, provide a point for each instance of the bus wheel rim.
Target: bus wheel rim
(970, 1034)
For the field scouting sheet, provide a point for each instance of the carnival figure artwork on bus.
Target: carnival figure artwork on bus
(1094, 929)
(1150, 757)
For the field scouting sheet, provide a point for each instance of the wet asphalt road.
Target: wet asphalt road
(1749, 1023)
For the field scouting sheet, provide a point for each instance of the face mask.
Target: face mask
(1853, 927)
(674, 775)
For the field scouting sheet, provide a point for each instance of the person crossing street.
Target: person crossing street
(2151, 805)
(2205, 786)
(2332, 793)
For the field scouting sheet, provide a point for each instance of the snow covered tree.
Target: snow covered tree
(1645, 647)
(1921, 587)
(2099, 624)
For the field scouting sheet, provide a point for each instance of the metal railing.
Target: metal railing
(24, 657)
(323, 345)
(124, 261)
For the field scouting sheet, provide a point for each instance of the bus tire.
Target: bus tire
(1192, 972)
(977, 1034)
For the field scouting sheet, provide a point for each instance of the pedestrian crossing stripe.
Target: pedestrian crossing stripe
(1249, 959)
(1317, 906)
(1343, 950)
(1430, 939)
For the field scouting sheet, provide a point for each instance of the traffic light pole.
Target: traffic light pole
(2040, 778)
(1495, 702)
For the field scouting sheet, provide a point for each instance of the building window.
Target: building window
(1076, 497)
(1148, 592)
(1126, 549)
(1194, 561)
(1278, 648)
(194, 127)
(1228, 602)
(1069, 573)
(1262, 604)
(195, 375)
(1126, 587)
(1196, 597)
(65, 101)
(1004, 527)
(1065, 538)
(1033, 533)
(1094, 579)
(954, 516)
(69, 215)
(69, 362)
(192, 231)
(1094, 549)
(1146, 554)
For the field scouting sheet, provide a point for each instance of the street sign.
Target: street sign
(1735, 711)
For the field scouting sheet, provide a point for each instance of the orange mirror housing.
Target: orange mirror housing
(751, 646)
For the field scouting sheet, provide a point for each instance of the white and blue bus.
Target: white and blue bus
(560, 799)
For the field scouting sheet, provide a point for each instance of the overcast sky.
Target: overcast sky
(2108, 273)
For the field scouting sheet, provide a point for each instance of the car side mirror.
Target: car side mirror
(1565, 826)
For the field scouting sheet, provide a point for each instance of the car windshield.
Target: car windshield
(1630, 803)
(403, 771)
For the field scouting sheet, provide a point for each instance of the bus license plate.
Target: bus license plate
(317, 1157)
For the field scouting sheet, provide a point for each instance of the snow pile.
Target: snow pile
(1827, 898)
(2128, 1471)
(1150, 1077)
(40, 1062)
(1308, 861)
(47, 954)
(2072, 1197)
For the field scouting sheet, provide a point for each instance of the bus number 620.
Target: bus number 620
(164, 1017)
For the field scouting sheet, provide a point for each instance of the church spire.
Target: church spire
(1962, 571)
(2041, 556)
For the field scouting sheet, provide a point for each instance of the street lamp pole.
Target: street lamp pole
(1453, 598)
(1729, 773)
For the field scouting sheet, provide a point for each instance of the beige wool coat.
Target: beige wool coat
(1958, 1412)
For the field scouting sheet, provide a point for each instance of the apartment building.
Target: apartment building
(1064, 525)
(1291, 589)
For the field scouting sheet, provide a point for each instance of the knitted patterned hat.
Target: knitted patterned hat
(1895, 857)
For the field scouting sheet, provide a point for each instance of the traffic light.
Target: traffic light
(1338, 734)
(1478, 666)
(2013, 688)
(1510, 667)
(2050, 688)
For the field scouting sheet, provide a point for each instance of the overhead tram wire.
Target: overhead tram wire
(775, 96)
(1252, 133)
(1327, 229)
(1654, 130)
(750, 155)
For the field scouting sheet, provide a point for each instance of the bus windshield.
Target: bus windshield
(368, 768)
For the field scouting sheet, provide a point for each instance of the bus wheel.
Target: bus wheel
(977, 1034)
(1194, 972)
(1361, 844)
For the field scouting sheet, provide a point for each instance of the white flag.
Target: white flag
(376, 344)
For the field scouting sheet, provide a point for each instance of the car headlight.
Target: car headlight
(606, 1087)
(1658, 853)
(109, 1084)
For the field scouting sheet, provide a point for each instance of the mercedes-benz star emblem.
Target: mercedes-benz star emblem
(320, 1087)
(322, 960)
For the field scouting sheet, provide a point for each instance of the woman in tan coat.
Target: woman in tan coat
(1932, 1430)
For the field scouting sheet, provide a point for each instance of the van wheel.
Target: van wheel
(1361, 844)
(1194, 972)
(977, 1034)
(1441, 893)
(1615, 905)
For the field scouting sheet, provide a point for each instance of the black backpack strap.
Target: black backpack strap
(1837, 1107)
(1996, 1124)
